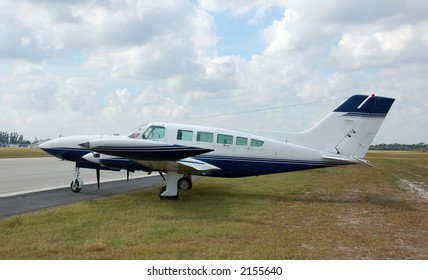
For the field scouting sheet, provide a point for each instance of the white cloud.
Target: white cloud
(162, 58)
(158, 41)
(109, 65)
(402, 44)
(281, 35)
(236, 7)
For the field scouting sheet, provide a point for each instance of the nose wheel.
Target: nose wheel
(77, 183)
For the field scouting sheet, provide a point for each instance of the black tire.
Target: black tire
(184, 183)
(76, 185)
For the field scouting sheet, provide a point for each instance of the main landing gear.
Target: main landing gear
(173, 183)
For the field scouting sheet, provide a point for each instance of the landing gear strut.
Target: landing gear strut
(170, 191)
(77, 183)
(173, 183)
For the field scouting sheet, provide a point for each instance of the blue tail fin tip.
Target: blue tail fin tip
(366, 104)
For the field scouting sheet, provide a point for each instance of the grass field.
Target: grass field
(352, 212)
(22, 153)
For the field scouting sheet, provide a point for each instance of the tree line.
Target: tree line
(400, 147)
(12, 138)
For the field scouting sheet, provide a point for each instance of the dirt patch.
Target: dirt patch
(418, 189)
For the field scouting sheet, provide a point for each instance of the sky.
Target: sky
(104, 67)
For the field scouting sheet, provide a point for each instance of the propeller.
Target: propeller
(98, 169)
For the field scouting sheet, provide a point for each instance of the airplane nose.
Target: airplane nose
(70, 148)
(45, 145)
(49, 147)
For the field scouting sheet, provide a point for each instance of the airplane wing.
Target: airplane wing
(154, 155)
(145, 150)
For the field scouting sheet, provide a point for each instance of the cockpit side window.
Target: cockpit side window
(135, 135)
(154, 132)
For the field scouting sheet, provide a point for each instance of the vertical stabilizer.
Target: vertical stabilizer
(350, 129)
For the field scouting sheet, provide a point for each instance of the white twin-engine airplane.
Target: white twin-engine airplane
(342, 137)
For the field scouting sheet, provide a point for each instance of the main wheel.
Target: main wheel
(76, 185)
(184, 183)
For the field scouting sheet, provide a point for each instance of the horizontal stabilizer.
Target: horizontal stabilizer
(339, 158)
(363, 161)
(351, 159)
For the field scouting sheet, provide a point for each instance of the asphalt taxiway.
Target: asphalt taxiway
(31, 184)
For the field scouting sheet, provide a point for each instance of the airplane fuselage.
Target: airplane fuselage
(236, 154)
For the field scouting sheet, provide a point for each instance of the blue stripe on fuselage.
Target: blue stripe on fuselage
(246, 166)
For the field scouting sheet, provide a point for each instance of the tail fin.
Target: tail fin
(350, 129)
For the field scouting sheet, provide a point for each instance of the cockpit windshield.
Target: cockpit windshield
(152, 132)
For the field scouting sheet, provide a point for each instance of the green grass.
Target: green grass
(352, 212)
(22, 153)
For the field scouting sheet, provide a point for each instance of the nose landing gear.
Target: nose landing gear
(77, 183)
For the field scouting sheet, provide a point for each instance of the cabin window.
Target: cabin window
(225, 139)
(256, 143)
(154, 132)
(186, 135)
(241, 141)
(204, 136)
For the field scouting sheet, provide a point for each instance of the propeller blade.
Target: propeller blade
(98, 176)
